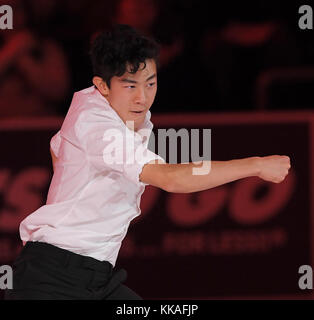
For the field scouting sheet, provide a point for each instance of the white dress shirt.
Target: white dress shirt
(91, 202)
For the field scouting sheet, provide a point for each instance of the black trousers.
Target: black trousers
(45, 272)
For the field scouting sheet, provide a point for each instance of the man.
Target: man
(71, 244)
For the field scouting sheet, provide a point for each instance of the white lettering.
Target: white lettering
(6, 21)
(306, 20)
(306, 281)
(6, 280)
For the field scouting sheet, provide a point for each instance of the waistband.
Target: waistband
(65, 257)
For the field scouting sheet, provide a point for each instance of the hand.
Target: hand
(274, 168)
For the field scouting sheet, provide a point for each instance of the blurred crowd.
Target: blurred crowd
(214, 56)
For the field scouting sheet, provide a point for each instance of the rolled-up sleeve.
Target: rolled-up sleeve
(109, 145)
(142, 156)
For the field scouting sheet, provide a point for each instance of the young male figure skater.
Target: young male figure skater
(71, 244)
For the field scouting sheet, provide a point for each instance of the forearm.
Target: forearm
(183, 180)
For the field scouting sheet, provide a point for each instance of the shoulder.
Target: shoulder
(89, 109)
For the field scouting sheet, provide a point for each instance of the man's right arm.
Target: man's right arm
(183, 178)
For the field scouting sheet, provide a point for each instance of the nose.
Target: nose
(140, 97)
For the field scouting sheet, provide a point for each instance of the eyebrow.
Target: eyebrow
(133, 81)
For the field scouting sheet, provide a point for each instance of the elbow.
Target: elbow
(164, 184)
(168, 186)
(177, 189)
(164, 177)
(173, 185)
(167, 183)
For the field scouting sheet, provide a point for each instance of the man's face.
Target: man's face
(132, 95)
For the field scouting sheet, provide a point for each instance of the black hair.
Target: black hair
(112, 51)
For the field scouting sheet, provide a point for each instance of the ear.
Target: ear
(101, 85)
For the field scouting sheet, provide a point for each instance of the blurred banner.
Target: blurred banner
(245, 239)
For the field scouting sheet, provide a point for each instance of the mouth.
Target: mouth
(138, 112)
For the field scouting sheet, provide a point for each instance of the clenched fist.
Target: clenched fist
(273, 168)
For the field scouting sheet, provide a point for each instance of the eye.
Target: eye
(151, 84)
(130, 87)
